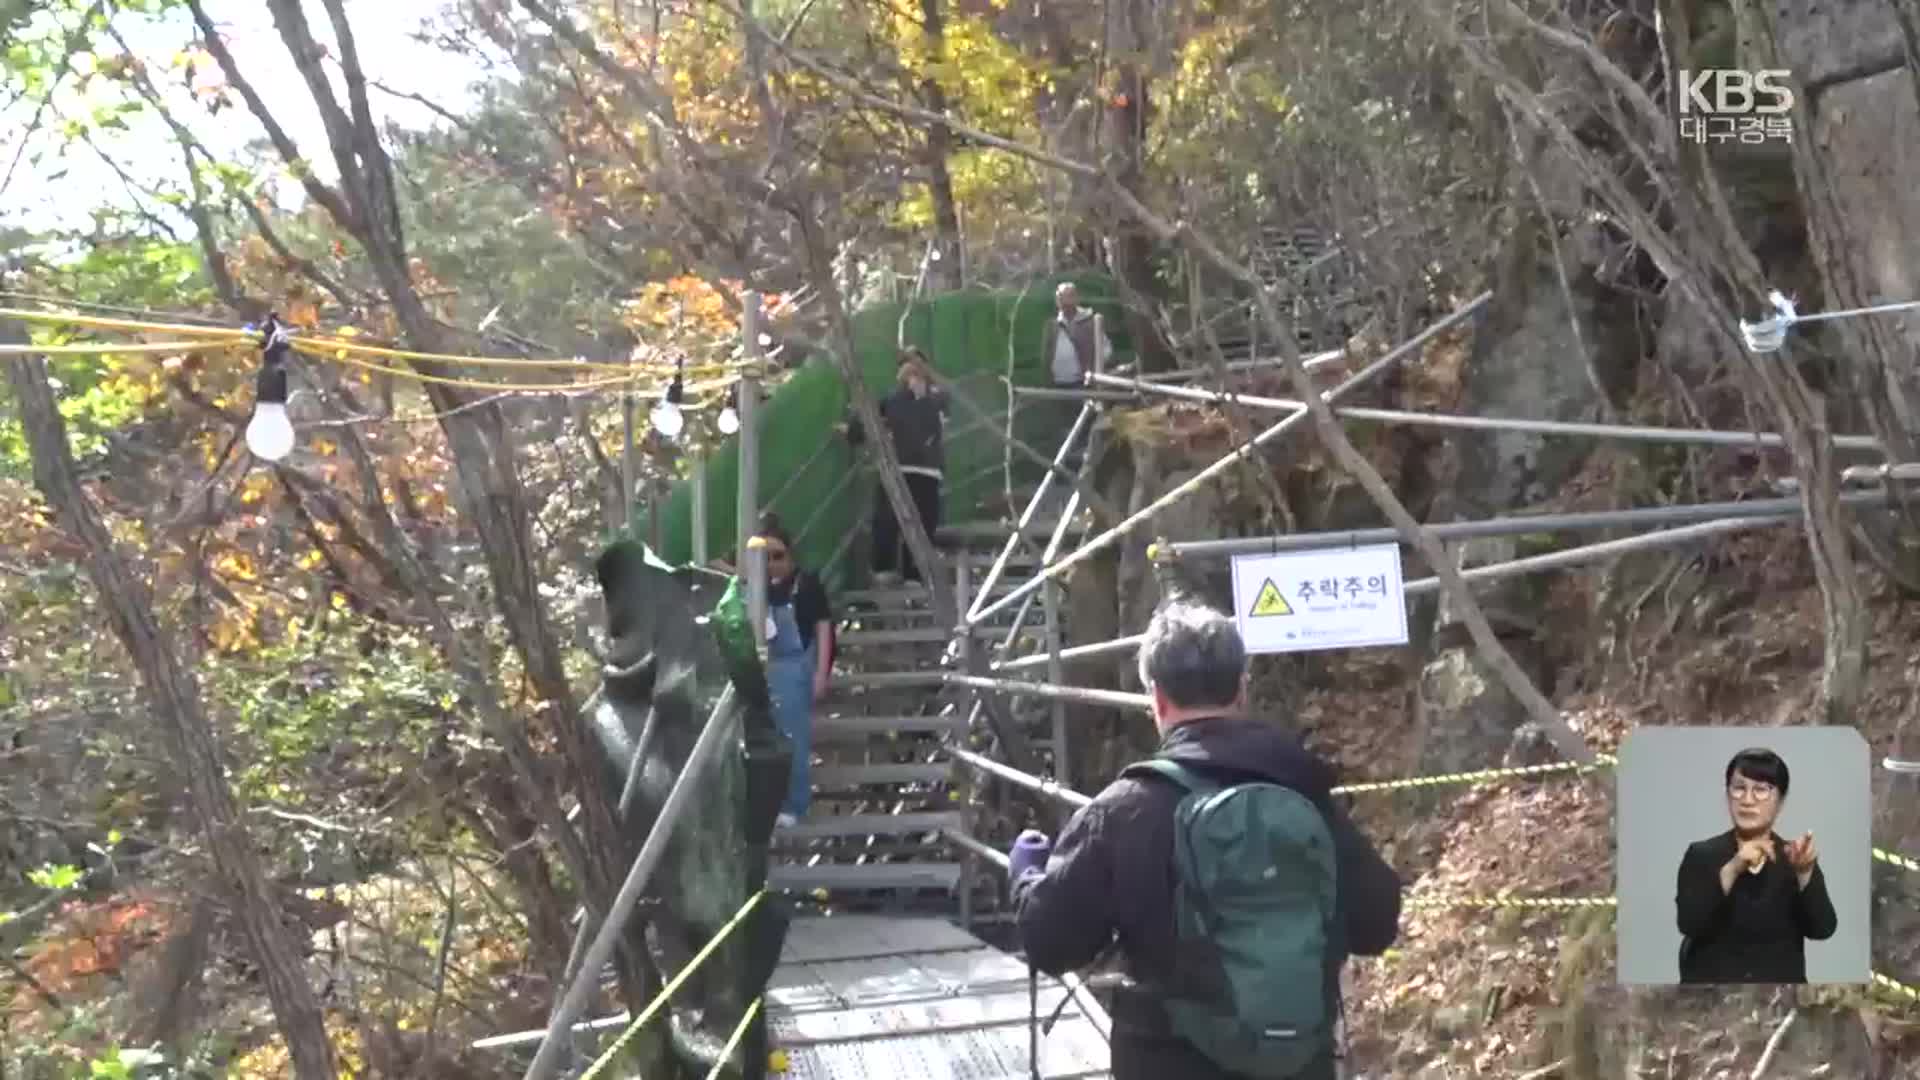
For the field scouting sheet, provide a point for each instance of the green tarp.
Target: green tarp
(968, 336)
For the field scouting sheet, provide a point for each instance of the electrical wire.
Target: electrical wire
(332, 348)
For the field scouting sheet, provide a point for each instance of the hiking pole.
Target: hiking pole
(1033, 1020)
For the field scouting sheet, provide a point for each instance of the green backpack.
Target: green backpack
(1254, 917)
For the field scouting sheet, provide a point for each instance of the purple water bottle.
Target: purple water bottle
(1030, 851)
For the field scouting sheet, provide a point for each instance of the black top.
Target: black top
(1111, 875)
(809, 599)
(916, 427)
(1756, 933)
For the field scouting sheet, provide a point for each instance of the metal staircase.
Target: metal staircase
(886, 796)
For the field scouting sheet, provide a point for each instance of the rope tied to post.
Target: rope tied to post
(1601, 761)
(1769, 334)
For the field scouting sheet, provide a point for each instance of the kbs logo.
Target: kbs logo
(1723, 104)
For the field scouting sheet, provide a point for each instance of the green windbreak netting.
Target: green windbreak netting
(804, 460)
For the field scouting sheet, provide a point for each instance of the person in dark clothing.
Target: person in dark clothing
(914, 414)
(800, 641)
(1747, 901)
(1111, 878)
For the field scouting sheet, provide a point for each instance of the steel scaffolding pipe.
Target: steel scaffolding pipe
(1106, 539)
(1518, 525)
(1011, 775)
(1879, 474)
(1555, 560)
(1314, 362)
(1040, 493)
(1626, 432)
(1077, 652)
(1066, 393)
(1082, 694)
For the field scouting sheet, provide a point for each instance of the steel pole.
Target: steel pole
(1555, 560)
(747, 493)
(1040, 492)
(1076, 652)
(1625, 432)
(699, 478)
(1085, 695)
(1518, 525)
(1019, 779)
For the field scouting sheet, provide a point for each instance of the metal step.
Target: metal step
(898, 595)
(829, 777)
(995, 532)
(891, 680)
(835, 877)
(912, 635)
(831, 826)
(842, 729)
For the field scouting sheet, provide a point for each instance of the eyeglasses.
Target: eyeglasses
(1758, 793)
(775, 554)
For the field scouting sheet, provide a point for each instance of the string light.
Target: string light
(729, 419)
(667, 418)
(269, 432)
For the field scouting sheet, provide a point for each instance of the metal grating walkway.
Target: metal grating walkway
(866, 997)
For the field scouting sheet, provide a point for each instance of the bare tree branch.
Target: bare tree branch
(174, 696)
(302, 169)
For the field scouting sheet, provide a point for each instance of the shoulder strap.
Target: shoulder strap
(1186, 778)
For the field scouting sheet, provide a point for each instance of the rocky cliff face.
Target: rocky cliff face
(1720, 633)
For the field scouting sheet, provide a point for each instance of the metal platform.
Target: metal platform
(888, 998)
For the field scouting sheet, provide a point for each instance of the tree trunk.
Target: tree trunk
(174, 697)
(944, 272)
(494, 500)
(1131, 245)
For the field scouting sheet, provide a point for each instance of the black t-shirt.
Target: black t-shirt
(810, 604)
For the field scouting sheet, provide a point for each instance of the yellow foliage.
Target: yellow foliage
(235, 564)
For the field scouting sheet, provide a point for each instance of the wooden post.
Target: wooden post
(699, 479)
(748, 501)
(1056, 674)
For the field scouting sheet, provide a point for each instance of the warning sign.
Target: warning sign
(1269, 602)
(1335, 598)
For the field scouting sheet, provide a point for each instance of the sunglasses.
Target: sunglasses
(776, 554)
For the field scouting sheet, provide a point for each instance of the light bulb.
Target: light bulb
(667, 419)
(270, 433)
(729, 421)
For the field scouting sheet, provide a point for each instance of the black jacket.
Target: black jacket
(1756, 933)
(1111, 877)
(916, 425)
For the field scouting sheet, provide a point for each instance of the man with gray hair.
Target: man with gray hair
(1234, 885)
(1075, 344)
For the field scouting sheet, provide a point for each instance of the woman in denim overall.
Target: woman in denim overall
(799, 658)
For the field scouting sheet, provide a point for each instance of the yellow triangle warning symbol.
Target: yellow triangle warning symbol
(1269, 602)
